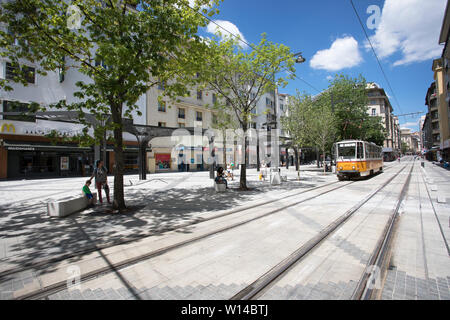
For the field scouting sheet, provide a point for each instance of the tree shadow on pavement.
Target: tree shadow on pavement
(29, 236)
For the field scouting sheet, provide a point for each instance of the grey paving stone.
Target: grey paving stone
(64, 295)
(124, 292)
(99, 294)
(17, 285)
(111, 294)
(88, 294)
(6, 295)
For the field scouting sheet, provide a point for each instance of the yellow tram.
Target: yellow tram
(356, 158)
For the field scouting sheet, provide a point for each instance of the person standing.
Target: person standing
(101, 180)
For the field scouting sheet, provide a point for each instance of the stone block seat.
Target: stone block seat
(66, 206)
(220, 187)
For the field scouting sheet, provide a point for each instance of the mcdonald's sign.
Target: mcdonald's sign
(9, 128)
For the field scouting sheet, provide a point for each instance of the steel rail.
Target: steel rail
(379, 256)
(285, 265)
(61, 285)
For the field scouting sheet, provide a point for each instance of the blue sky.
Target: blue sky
(332, 41)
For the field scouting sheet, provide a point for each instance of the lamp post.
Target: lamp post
(299, 59)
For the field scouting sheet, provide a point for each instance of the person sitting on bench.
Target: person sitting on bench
(88, 193)
(220, 179)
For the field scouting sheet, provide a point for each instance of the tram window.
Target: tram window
(346, 150)
(360, 151)
(366, 150)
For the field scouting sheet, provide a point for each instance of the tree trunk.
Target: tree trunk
(243, 178)
(119, 200)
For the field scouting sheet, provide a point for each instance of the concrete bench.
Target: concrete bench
(66, 206)
(220, 187)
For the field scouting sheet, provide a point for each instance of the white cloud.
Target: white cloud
(413, 125)
(227, 25)
(343, 53)
(411, 27)
(329, 77)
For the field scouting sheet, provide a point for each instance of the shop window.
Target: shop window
(181, 125)
(161, 124)
(199, 116)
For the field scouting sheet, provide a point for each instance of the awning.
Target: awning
(33, 147)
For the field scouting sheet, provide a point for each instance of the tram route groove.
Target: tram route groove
(381, 251)
(131, 239)
(435, 214)
(285, 265)
(59, 286)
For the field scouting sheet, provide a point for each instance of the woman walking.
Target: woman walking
(101, 180)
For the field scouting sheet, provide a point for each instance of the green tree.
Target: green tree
(295, 124)
(122, 46)
(321, 125)
(240, 78)
(311, 122)
(349, 100)
(405, 147)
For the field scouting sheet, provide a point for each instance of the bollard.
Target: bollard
(422, 164)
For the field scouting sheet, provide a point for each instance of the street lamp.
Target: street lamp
(299, 59)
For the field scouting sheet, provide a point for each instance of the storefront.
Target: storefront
(162, 161)
(38, 161)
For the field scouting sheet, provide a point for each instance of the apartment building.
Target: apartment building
(442, 77)
(25, 149)
(411, 139)
(380, 106)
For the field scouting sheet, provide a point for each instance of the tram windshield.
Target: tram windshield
(346, 151)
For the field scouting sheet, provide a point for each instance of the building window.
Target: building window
(161, 124)
(374, 112)
(14, 106)
(214, 98)
(161, 85)
(181, 113)
(214, 118)
(29, 72)
(161, 106)
(181, 125)
(372, 101)
(199, 116)
(199, 94)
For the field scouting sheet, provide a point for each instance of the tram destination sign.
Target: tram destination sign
(347, 144)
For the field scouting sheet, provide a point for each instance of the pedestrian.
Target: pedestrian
(88, 193)
(220, 179)
(101, 180)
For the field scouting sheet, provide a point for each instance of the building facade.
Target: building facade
(380, 106)
(442, 79)
(25, 148)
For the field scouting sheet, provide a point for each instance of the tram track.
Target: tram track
(265, 281)
(61, 285)
(127, 240)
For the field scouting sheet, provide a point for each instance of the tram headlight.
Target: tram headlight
(353, 167)
(340, 168)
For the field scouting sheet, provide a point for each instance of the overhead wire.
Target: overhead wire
(376, 56)
(248, 44)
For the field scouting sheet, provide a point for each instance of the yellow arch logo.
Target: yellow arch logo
(9, 127)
